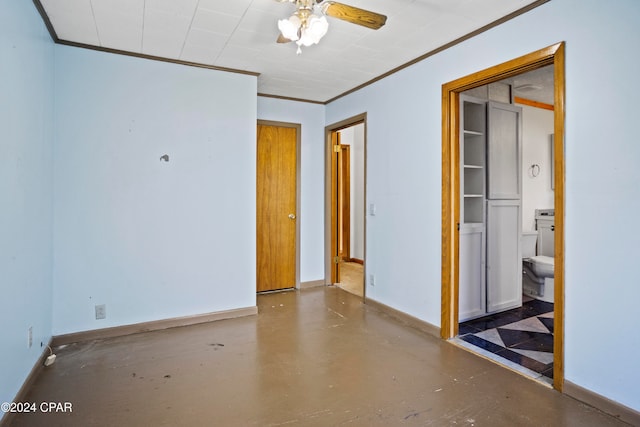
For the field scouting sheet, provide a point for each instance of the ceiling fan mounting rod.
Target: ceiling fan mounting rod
(305, 7)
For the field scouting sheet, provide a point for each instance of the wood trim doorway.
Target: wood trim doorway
(280, 164)
(343, 193)
(552, 55)
(331, 194)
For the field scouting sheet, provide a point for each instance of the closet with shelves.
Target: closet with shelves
(490, 278)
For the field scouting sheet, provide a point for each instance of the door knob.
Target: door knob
(553, 227)
(292, 216)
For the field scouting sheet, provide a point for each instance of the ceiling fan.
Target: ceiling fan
(308, 24)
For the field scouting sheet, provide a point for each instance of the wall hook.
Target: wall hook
(534, 170)
(165, 158)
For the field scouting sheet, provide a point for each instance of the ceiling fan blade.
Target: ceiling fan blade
(353, 14)
(283, 39)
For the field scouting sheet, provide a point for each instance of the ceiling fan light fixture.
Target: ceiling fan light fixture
(308, 24)
(316, 28)
(304, 27)
(289, 27)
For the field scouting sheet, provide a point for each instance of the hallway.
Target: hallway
(317, 357)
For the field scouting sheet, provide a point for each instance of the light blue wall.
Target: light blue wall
(602, 175)
(403, 182)
(147, 238)
(26, 113)
(311, 217)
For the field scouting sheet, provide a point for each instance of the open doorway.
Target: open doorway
(451, 191)
(505, 305)
(346, 216)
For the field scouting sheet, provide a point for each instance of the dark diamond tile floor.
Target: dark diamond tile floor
(548, 322)
(523, 335)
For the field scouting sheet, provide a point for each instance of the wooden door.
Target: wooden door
(344, 203)
(335, 207)
(276, 208)
(340, 205)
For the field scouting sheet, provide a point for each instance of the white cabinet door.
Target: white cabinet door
(504, 153)
(504, 261)
(471, 294)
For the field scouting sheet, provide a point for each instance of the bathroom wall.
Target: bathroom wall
(151, 239)
(26, 125)
(537, 126)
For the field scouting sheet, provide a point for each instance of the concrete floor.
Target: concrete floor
(318, 357)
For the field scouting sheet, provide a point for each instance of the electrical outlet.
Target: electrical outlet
(372, 280)
(30, 336)
(101, 311)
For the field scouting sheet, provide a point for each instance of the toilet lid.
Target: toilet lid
(542, 265)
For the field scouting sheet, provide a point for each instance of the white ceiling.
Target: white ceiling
(241, 35)
(536, 85)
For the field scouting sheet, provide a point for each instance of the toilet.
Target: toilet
(537, 270)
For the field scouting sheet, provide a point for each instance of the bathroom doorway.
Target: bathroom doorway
(553, 55)
(520, 337)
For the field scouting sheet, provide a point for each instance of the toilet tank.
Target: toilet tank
(528, 242)
(545, 226)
